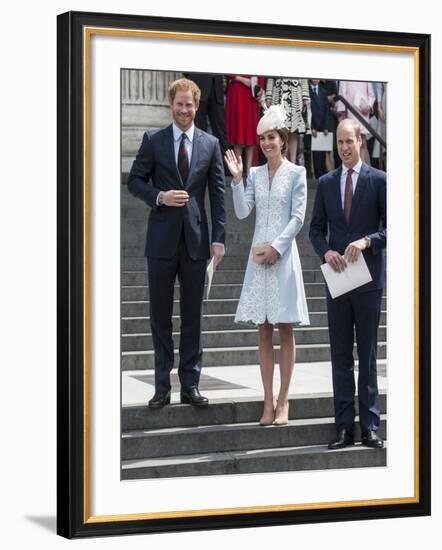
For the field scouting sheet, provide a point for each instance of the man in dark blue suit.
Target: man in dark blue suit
(171, 173)
(350, 207)
(321, 122)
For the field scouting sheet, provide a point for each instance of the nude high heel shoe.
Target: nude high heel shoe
(268, 415)
(281, 414)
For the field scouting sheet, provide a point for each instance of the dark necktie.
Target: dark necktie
(183, 159)
(348, 196)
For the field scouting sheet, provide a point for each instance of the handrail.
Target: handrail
(362, 120)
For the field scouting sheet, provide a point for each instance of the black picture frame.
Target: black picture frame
(73, 499)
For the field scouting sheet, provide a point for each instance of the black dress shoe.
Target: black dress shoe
(193, 397)
(345, 439)
(371, 439)
(160, 399)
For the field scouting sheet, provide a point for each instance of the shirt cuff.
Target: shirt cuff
(219, 244)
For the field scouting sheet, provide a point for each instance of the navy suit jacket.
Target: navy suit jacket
(155, 170)
(329, 231)
(320, 107)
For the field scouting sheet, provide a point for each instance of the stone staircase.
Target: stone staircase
(224, 437)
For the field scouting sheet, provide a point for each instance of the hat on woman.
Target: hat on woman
(273, 119)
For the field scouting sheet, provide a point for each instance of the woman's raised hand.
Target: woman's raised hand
(234, 165)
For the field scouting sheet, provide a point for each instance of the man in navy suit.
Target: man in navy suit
(350, 207)
(171, 173)
(321, 122)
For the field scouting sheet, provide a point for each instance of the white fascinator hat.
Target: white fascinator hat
(273, 119)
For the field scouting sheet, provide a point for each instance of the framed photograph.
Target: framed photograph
(125, 467)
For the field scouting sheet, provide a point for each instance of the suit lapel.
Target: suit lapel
(337, 193)
(169, 150)
(361, 187)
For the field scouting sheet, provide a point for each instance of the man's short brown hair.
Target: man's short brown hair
(184, 85)
(351, 122)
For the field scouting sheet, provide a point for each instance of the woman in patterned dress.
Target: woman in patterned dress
(293, 94)
(273, 289)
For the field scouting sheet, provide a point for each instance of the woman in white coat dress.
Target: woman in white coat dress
(273, 289)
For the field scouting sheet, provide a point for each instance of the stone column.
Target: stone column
(144, 106)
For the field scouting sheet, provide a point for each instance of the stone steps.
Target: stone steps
(134, 260)
(299, 458)
(225, 438)
(237, 337)
(221, 276)
(240, 436)
(134, 222)
(217, 291)
(235, 237)
(234, 356)
(241, 248)
(139, 308)
(226, 411)
(236, 259)
(131, 325)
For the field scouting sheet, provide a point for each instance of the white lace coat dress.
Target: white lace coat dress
(275, 292)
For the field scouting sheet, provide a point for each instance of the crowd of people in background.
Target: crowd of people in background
(231, 106)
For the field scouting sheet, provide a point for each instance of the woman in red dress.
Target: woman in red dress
(242, 114)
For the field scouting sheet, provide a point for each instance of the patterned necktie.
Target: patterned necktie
(183, 159)
(348, 196)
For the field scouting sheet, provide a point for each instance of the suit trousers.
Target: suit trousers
(319, 163)
(355, 313)
(162, 275)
